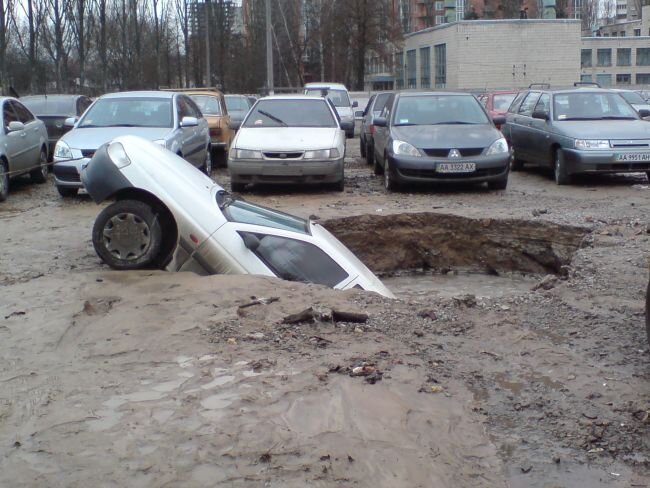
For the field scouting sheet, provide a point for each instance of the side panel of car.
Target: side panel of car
(33, 132)
(15, 150)
(540, 132)
(381, 135)
(520, 129)
(192, 141)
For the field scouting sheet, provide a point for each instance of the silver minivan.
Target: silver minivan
(340, 97)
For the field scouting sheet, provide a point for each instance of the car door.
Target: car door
(520, 129)
(33, 132)
(365, 120)
(201, 133)
(540, 131)
(14, 142)
(186, 135)
(381, 134)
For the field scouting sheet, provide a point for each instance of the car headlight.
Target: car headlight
(246, 154)
(62, 151)
(592, 144)
(500, 146)
(160, 142)
(323, 154)
(405, 149)
(118, 155)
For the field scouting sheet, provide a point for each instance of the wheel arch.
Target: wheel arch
(168, 222)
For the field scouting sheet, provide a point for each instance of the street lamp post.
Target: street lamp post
(207, 43)
(269, 50)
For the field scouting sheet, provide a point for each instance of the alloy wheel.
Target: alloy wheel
(126, 236)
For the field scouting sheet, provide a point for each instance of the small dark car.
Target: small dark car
(373, 109)
(237, 106)
(440, 137)
(582, 130)
(53, 110)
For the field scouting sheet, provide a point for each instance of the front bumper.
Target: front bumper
(423, 169)
(603, 162)
(67, 172)
(283, 171)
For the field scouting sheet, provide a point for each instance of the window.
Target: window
(623, 79)
(643, 56)
(460, 9)
(24, 115)
(83, 104)
(585, 58)
(643, 78)
(8, 114)
(544, 104)
(514, 106)
(380, 102)
(249, 213)
(440, 19)
(411, 69)
(438, 109)
(208, 104)
(528, 103)
(637, 32)
(623, 57)
(294, 260)
(290, 113)
(130, 111)
(604, 80)
(425, 67)
(399, 70)
(622, 34)
(603, 57)
(586, 78)
(440, 52)
(614, 34)
(440, 5)
(591, 105)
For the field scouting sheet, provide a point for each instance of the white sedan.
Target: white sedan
(168, 214)
(289, 139)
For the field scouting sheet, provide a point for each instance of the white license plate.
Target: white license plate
(633, 157)
(455, 167)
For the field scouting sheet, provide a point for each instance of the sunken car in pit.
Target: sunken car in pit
(169, 215)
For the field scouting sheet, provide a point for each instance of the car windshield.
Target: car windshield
(51, 105)
(439, 110)
(633, 97)
(209, 105)
(290, 113)
(503, 101)
(338, 97)
(129, 112)
(591, 106)
(243, 212)
(234, 103)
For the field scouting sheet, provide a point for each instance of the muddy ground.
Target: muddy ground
(514, 355)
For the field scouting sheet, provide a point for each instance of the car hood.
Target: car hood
(604, 129)
(445, 136)
(93, 137)
(286, 138)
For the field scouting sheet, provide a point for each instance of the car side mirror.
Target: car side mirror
(345, 125)
(539, 114)
(380, 122)
(234, 124)
(499, 120)
(70, 122)
(359, 113)
(644, 112)
(189, 122)
(15, 126)
(355, 104)
(251, 241)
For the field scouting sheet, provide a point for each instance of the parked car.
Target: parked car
(212, 104)
(634, 98)
(440, 137)
(372, 110)
(582, 130)
(339, 96)
(238, 106)
(497, 102)
(54, 110)
(168, 215)
(289, 139)
(23, 145)
(170, 119)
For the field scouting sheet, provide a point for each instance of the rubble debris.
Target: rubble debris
(256, 301)
(428, 314)
(15, 314)
(311, 315)
(466, 300)
(355, 317)
(548, 282)
(307, 315)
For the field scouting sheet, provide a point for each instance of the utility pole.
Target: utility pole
(207, 43)
(269, 50)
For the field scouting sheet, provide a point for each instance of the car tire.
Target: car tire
(237, 187)
(39, 175)
(362, 148)
(370, 153)
(559, 169)
(4, 180)
(501, 184)
(389, 180)
(349, 135)
(66, 192)
(207, 165)
(377, 168)
(127, 235)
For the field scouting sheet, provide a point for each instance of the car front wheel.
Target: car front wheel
(39, 175)
(4, 180)
(127, 235)
(389, 179)
(562, 177)
(207, 165)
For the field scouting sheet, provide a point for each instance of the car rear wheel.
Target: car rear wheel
(370, 153)
(362, 148)
(127, 235)
(66, 192)
(376, 166)
(4, 180)
(560, 172)
(39, 175)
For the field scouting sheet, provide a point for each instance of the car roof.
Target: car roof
(336, 86)
(232, 95)
(501, 92)
(140, 94)
(196, 91)
(429, 93)
(291, 96)
(45, 96)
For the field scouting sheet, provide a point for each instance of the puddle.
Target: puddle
(447, 286)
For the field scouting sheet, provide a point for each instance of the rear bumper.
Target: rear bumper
(286, 172)
(603, 162)
(421, 170)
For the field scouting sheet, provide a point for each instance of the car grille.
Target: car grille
(283, 155)
(464, 152)
(67, 173)
(88, 153)
(432, 173)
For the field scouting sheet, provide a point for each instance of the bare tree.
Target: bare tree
(6, 12)
(56, 39)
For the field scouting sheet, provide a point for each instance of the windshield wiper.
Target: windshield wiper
(619, 117)
(122, 125)
(404, 124)
(273, 118)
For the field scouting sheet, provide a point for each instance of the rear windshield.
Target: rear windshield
(208, 104)
(290, 113)
(51, 105)
(248, 213)
(503, 101)
(339, 97)
(591, 106)
(439, 110)
(237, 103)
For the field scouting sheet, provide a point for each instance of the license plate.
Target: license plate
(633, 157)
(456, 167)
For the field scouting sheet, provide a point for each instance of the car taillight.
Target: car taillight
(215, 131)
(372, 129)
